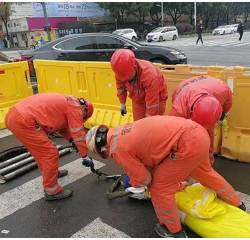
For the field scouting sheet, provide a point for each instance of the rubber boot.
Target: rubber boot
(62, 173)
(242, 207)
(64, 194)
(163, 232)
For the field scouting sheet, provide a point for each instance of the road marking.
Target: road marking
(22, 196)
(99, 229)
(5, 133)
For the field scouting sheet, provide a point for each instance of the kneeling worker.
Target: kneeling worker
(160, 152)
(32, 119)
(205, 100)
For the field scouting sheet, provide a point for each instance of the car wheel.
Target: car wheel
(133, 38)
(160, 39)
(161, 61)
(174, 37)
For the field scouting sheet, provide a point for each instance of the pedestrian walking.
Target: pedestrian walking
(34, 42)
(32, 119)
(199, 32)
(160, 152)
(144, 82)
(240, 30)
(205, 100)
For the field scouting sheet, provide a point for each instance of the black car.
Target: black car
(100, 47)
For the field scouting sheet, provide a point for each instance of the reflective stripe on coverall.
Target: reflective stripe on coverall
(188, 91)
(162, 151)
(148, 92)
(33, 118)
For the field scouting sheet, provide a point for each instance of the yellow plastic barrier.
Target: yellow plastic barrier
(14, 86)
(208, 216)
(96, 82)
(92, 80)
(236, 131)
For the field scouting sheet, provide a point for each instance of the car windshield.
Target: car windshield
(118, 31)
(159, 29)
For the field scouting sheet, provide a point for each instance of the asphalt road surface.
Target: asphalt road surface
(223, 50)
(24, 212)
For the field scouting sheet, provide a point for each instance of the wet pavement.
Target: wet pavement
(88, 213)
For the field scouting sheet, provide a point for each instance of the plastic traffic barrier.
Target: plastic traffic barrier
(236, 130)
(15, 85)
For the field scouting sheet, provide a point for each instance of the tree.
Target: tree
(5, 12)
(155, 13)
(119, 10)
(140, 10)
(175, 10)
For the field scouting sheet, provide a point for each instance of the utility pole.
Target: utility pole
(47, 26)
(195, 17)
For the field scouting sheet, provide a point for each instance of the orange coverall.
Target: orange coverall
(162, 151)
(148, 92)
(188, 91)
(33, 118)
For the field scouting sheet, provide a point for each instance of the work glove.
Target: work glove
(88, 162)
(125, 181)
(123, 109)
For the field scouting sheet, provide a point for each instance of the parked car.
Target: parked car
(235, 27)
(162, 33)
(222, 30)
(100, 47)
(126, 32)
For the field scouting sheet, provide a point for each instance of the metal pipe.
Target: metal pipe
(14, 159)
(25, 161)
(28, 167)
(20, 171)
(20, 157)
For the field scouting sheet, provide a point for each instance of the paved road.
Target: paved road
(224, 50)
(24, 213)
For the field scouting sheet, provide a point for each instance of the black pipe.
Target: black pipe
(31, 164)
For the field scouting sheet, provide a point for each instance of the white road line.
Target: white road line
(99, 229)
(5, 133)
(22, 196)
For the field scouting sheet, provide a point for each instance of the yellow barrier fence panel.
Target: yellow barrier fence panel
(236, 130)
(101, 87)
(60, 77)
(96, 82)
(14, 86)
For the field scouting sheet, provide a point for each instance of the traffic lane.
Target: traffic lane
(217, 55)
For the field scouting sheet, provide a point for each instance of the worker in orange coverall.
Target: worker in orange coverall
(32, 119)
(144, 82)
(205, 100)
(160, 152)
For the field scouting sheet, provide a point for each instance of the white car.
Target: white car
(163, 33)
(226, 29)
(126, 32)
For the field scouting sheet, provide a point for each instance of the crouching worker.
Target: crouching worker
(32, 119)
(160, 152)
(205, 100)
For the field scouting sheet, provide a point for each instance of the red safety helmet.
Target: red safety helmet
(88, 107)
(123, 64)
(207, 111)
